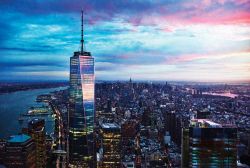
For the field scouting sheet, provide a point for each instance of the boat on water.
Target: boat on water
(43, 98)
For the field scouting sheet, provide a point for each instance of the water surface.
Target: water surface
(14, 104)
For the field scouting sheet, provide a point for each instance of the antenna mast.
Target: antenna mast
(82, 41)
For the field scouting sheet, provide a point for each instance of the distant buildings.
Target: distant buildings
(20, 152)
(110, 134)
(210, 145)
(81, 108)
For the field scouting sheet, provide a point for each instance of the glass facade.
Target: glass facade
(81, 110)
(212, 147)
(111, 146)
(36, 129)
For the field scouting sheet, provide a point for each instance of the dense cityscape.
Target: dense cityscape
(131, 123)
(142, 124)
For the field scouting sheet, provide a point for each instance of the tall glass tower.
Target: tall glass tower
(81, 108)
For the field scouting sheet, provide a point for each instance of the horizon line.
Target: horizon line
(133, 80)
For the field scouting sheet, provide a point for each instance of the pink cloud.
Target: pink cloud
(167, 29)
(213, 12)
(213, 3)
(239, 2)
(210, 56)
(216, 17)
(184, 58)
(222, 17)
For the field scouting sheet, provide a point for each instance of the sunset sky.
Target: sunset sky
(183, 40)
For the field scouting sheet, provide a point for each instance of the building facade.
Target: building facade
(111, 146)
(81, 109)
(20, 152)
(36, 129)
(2, 151)
(212, 145)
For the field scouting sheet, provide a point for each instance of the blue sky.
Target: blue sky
(205, 41)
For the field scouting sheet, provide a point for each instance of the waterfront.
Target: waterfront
(14, 104)
(225, 94)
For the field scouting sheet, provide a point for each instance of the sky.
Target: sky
(173, 40)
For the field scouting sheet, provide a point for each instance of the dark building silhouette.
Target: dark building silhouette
(129, 129)
(210, 145)
(2, 151)
(20, 152)
(174, 126)
(185, 148)
(203, 114)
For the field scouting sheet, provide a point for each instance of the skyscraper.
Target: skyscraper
(209, 145)
(111, 145)
(81, 108)
(36, 129)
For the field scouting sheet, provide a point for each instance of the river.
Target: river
(14, 104)
(225, 94)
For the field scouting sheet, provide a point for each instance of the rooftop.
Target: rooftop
(36, 121)
(110, 126)
(19, 138)
(204, 123)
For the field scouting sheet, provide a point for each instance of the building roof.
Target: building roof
(110, 126)
(36, 120)
(204, 123)
(19, 138)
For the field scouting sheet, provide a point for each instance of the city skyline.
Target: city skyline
(204, 41)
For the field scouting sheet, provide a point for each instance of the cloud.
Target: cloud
(140, 12)
(25, 63)
(143, 39)
(5, 31)
(44, 48)
(209, 57)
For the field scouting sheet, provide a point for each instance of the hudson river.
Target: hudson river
(14, 104)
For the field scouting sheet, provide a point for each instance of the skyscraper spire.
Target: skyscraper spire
(81, 114)
(82, 41)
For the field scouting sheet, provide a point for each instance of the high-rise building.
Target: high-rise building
(36, 129)
(20, 152)
(81, 108)
(185, 148)
(210, 144)
(173, 126)
(111, 145)
(129, 129)
(2, 151)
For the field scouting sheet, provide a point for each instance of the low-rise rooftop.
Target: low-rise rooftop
(19, 138)
(110, 126)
